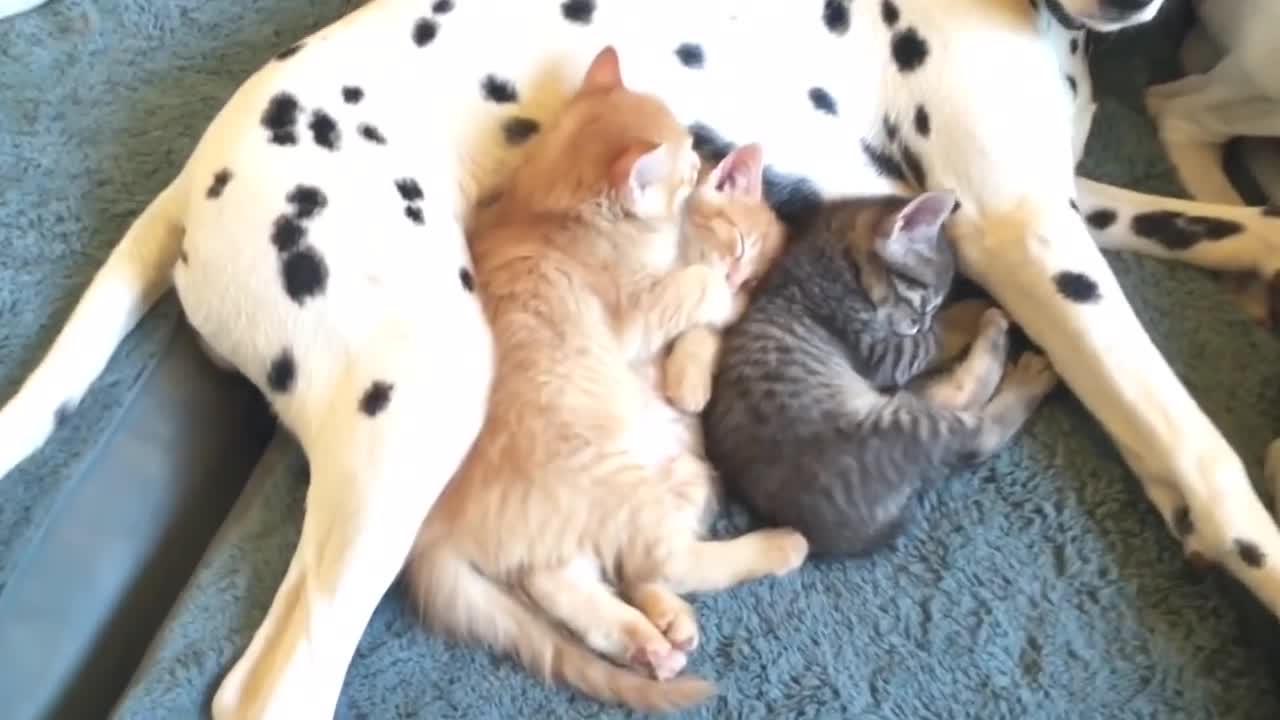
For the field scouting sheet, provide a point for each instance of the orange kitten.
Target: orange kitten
(580, 478)
(728, 223)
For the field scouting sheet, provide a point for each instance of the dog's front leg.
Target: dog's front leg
(1036, 259)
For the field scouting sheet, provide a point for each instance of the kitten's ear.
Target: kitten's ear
(918, 223)
(640, 167)
(741, 172)
(604, 73)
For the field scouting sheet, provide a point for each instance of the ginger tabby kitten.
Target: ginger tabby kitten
(580, 477)
(727, 223)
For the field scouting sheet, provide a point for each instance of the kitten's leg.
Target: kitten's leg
(1025, 385)
(669, 612)
(969, 385)
(715, 565)
(957, 325)
(691, 296)
(577, 596)
(690, 367)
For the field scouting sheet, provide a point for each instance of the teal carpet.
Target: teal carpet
(1040, 586)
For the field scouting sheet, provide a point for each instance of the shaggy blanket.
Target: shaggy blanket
(1039, 585)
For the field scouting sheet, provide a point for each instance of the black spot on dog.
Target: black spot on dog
(287, 234)
(289, 52)
(1178, 231)
(376, 398)
(909, 50)
(305, 274)
(282, 372)
(281, 119)
(1077, 287)
(498, 90)
(468, 281)
(220, 180)
(578, 11)
(884, 163)
(690, 55)
(1074, 45)
(409, 189)
(922, 122)
(915, 168)
(440, 7)
(424, 31)
(1182, 524)
(1035, 6)
(516, 130)
(1250, 553)
(1071, 83)
(414, 213)
(956, 208)
(307, 201)
(822, 100)
(352, 94)
(1074, 207)
(1271, 211)
(371, 133)
(1101, 219)
(1061, 15)
(889, 13)
(890, 129)
(835, 15)
(63, 413)
(324, 130)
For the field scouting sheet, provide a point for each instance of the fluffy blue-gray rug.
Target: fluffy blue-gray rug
(1040, 586)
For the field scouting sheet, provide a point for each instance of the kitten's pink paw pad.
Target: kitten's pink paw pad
(663, 662)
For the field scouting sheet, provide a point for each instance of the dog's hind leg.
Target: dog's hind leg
(382, 443)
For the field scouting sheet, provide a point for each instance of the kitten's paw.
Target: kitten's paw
(784, 550)
(993, 332)
(661, 660)
(720, 304)
(671, 614)
(1032, 374)
(688, 392)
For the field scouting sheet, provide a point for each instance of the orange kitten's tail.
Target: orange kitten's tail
(457, 599)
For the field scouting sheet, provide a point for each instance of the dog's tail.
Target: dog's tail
(455, 598)
(138, 271)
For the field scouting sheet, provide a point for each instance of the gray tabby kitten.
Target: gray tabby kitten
(821, 416)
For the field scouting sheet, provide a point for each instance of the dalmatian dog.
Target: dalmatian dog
(316, 240)
(1238, 96)
(1231, 92)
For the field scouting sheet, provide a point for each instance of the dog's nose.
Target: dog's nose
(1125, 6)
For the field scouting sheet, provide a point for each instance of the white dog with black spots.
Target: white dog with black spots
(315, 238)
